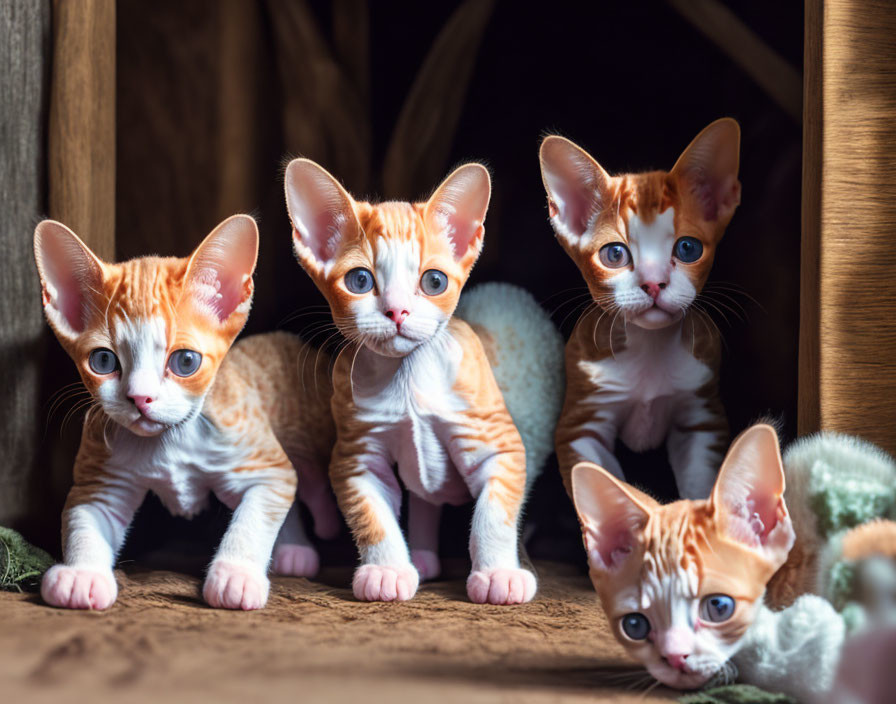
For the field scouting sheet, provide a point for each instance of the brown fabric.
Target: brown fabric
(160, 643)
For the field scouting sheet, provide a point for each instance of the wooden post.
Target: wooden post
(848, 278)
(82, 121)
(24, 64)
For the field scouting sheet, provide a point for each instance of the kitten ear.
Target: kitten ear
(458, 209)
(219, 274)
(707, 170)
(70, 276)
(322, 214)
(576, 186)
(749, 494)
(612, 515)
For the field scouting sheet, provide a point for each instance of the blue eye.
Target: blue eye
(688, 249)
(103, 361)
(717, 608)
(433, 282)
(615, 255)
(635, 626)
(184, 362)
(359, 280)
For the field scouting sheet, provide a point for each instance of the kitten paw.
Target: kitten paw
(296, 560)
(427, 564)
(501, 586)
(378, 583)
(76, 588)
(230, 586)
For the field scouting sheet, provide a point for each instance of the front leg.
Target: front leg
(97, 514)
(237, 576)
(696, 446)
(370, 499)
(499, 485)
(294, 555)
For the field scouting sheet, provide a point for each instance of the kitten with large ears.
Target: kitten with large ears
(682, 583)
(642, 362)
(176, 414)
(415, 389)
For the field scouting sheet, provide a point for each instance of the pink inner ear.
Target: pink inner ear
(609, 548)
(712, 195)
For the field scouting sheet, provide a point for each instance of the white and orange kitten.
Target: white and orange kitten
(642, 363)
(176, 414)
(416, 399)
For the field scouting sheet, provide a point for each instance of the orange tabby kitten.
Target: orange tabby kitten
(682, 583)
(176, 414)
(694, 589)
(415, 388)
(642, 364)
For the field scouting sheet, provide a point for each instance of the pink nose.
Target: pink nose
(677, 660)
(142, 402)
(652, 288)
(396, 315)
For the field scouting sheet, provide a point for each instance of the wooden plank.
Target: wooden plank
(82, 121)
(857, 308)
(24, 64)
(809, 412)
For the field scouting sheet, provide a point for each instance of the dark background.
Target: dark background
(632, 82)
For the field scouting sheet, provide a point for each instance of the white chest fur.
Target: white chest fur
(412, 406)
(181, 466)
(645, 384)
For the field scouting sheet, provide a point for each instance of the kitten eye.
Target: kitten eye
(184, 362)
(102, 361)
(687, 249)
(614, 256)
(359, 280)
(635, 626)
(717, 608)
(433, 282)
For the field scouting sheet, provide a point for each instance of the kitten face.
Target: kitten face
(148, 335)
(680, 583)
(644, 242)
(391, 272)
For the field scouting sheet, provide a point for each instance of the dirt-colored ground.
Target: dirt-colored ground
(160, 643)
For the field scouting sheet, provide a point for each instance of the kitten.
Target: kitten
(642, 363)
(415, 388)
(176, 414)
(684, 585)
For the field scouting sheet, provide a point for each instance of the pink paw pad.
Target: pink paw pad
(427, 564)
(378, 583)
(229, 586)
(501, 586)
(75, 588)
(296, 560)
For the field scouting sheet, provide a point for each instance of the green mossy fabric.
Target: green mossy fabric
(736, 694)
(21, 564)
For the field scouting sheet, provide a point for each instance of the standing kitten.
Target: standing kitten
(416, 388)
(642, 365)
(173, 415)
(684, 585)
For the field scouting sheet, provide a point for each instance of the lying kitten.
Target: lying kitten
(642, 364)
(173, 415)
(684, 585)
(416, 388)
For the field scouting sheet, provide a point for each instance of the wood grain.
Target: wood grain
(24, 68)
(82, 121)
(856, 283)
(808, 409)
